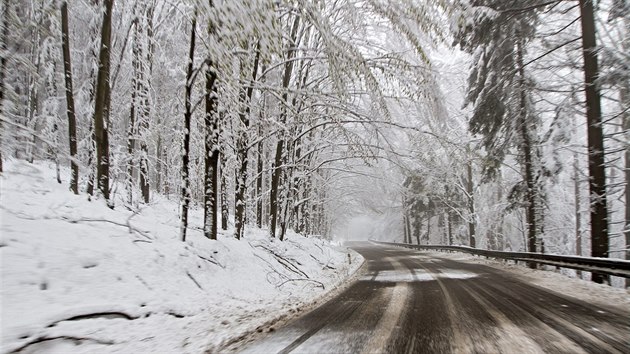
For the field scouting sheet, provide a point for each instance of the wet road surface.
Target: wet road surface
(410, 302)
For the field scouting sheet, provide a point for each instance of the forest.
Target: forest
(497, 124)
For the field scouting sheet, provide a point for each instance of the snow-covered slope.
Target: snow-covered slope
(77, 276)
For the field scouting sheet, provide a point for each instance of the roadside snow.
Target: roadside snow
(588, 291)
(77, 276)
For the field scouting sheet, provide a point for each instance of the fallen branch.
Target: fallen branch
(211, 261)
(311, 280)
(129, 221)
(128, 225)
(286, 263)
(194, 280)
(76, 340)
(264, 260)
(105, 314)
(176, 315)
(272, 270)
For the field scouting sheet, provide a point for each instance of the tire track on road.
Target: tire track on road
(388, 323)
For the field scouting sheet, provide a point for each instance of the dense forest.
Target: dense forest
(491, 123)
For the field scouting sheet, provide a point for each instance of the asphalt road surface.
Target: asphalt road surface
(410, 302)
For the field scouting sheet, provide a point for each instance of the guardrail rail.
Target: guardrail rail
(610, 266)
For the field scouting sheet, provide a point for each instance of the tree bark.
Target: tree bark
(32, 105)
(428, 227)
(131, 136)
(101, 104)
(3, 64)
(596, 161)
(449, 228)
(147, 68)
(72, 120)
(211, 165)
(578, 214)
(405, 218)
(225, 206)
(259, 183)
(624, 99)
(472, 237)
(526, 147)
(185, 191)
(277, 166)
(91, 161)
(242, 150)
(159, 158)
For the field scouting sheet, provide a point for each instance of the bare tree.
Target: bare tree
(101, 104)
(4, 33)
(211, 149)
(242, 149)
(596, 162)
(277, 166)
(185, 191)
(72, 120)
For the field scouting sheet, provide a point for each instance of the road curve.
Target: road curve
(410, 302)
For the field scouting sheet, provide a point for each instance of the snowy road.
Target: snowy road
(408, 302)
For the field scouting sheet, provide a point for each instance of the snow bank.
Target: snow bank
(77, 276)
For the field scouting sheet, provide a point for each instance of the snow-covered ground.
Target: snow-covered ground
(77, 276)
(585, 290)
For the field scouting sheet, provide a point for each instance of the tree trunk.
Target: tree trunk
(32, 105)
(131, 138)
(3, 64)
(242, 150)
(225, 206)
(405, 219)
(624, 100)
(144, 172)
(211, 165)
(449, 219)
(285, 191)
(147, 68)
(277, 168)
(526, 148)
(596, 161)
(101, 109)
(578, 214)
(416, 232)
(51, 103)
(259, 183)
(428, 227)
(471, 206)
(444, 231)
(91, 161)
(185, 191)
(626, 126)
(159, 155)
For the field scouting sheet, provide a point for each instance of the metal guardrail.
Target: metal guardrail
(610, 266)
